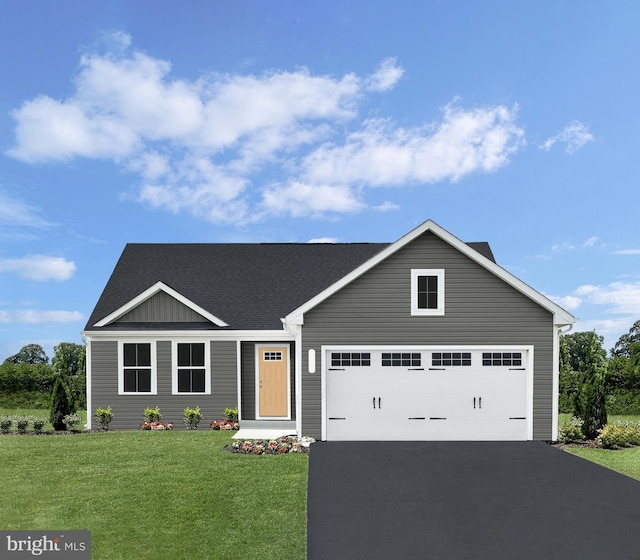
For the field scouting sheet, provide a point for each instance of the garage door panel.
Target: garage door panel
(427, 403)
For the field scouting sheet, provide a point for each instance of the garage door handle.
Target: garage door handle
(374, 403)
(332, 418)
(517, 418)
(418, 418)
(474, 402)
(479, 402)
(517, 369)
(379, 403)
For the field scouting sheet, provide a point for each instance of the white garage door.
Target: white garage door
(427, 394)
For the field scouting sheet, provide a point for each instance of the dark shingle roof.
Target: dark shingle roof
(249, 286)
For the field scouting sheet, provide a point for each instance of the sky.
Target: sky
(227, 121)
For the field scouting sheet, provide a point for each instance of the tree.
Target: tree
(62, 403)
(69, 361)
(623, 346)
(29, 354)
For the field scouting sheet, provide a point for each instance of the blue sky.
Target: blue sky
(237, 121)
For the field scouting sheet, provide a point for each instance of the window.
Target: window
(451, 359)
(272, 356)
(137, 368)
(427, 292)
(502, 358)
(403, 359)
(348, 359)
(191, 368)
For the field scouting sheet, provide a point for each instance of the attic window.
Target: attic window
(427, 291)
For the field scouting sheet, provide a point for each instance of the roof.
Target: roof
(247, 286)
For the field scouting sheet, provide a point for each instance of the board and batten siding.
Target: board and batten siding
(128, 409)
(480, 309)
(160, 308)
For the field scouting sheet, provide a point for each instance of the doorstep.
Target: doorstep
(265, 429)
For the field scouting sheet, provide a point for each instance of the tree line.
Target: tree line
(594, 383)
(29, 379)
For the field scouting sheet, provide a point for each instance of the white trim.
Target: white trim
(239, 377)
(561, 317)
(174, 366)
(154, 366)
(298, 374)
(325, 349)
(415, 274)
(258, 347)
(152, 291)
(88, 382)
(213, 335)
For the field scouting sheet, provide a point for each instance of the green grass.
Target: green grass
(625, 461)
(40, 413)
(157, 495)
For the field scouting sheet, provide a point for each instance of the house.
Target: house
(426, 338)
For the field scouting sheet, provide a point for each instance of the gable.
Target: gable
(561, 317)
(162, 308)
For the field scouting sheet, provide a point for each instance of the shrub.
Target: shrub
(571, 430)
(5, 424)
(192, 418)
(231, 414)
(22, 423)
(38, 424)
(61, 403)
(284, 444)
(104, 417)
(72, 422)
(152, 414)
(620, 434)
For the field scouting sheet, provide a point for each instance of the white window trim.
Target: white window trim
(154, 367)
(174, 366)
(415, 273)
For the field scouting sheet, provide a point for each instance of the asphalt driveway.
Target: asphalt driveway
(467, 500)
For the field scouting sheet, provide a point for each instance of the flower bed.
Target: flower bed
(158, 426)
(225, 425)
(285, 444)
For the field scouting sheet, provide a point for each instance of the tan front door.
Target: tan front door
(273, 393)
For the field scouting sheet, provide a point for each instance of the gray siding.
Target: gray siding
(162, 308)
(479, 309)
(248, 384)
(128, 409)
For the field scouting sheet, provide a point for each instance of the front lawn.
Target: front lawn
(156, 495)
(625, 461)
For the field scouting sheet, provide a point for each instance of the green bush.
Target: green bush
(61, 403)
(152, 414)
(620, 434)
(192, 418)
(571, 431)
(231, 414)
(5, 424)
(104, 417)
(72, 422)
(38, 424)
(623, 401)
(22, 423)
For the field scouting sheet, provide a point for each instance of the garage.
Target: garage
(427, 393)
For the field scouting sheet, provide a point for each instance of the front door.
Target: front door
(273, 391)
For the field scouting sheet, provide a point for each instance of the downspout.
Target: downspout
(556, 377)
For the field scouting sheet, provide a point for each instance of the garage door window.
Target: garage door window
(350, 359)
(502, 358)
(451, 359)
(401, 359)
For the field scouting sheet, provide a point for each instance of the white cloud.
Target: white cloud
(570, 303)
(33, 316)
(627, 252)
(15, 212)
(40, 268)
(575, 135)
(197, 145)
(323, 240)
(621, 297)
(386, 76)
